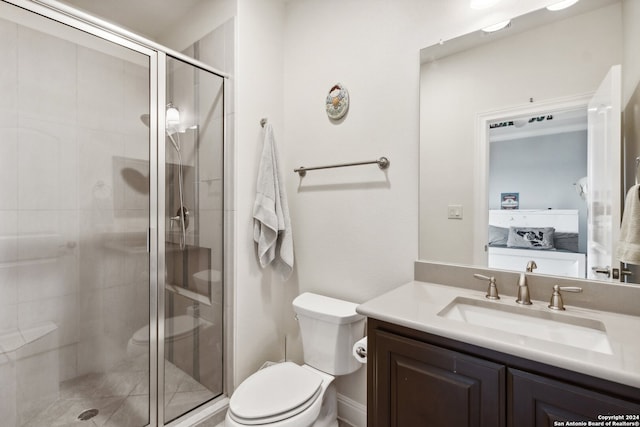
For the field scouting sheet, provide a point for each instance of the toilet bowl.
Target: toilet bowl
(177, 329)
(291, 395)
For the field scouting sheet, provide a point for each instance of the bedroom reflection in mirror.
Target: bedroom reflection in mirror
(535, 213)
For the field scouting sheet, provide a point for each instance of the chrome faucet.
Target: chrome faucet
(523, 290)
(523, 287)
(492, 291)
(556, 299)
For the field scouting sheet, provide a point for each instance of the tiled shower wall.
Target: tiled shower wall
(72, 229)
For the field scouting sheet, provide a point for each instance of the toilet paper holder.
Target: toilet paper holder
(360, 350)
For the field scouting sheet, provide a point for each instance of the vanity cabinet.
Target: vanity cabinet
(540, 401)
(418, 379)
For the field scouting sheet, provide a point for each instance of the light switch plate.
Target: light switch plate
(454, 211)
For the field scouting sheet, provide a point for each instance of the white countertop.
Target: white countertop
(416, 305)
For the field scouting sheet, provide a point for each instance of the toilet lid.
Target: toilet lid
(277, 392)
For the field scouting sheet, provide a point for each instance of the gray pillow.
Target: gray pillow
(530, 237)
(498, 236)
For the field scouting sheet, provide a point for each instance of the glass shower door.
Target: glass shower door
(193, 298)
(74, 214)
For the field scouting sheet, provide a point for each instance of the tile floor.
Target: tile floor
(121, 397)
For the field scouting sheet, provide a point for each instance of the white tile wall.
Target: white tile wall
(100, 77)
(8, 270)
(8, 399)
(9, 70)
(8, 165)
(47, 76)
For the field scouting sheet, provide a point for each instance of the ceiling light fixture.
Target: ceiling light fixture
(561, 5)
(497, 27)
(482, 4)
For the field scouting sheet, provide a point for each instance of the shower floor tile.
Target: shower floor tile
(121, 397)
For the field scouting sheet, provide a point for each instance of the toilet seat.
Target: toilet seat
(275, 393)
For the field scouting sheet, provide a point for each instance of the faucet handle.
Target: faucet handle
(556, 298)
(492, 291)
(568, 288)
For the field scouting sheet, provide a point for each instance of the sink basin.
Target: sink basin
(577, 332)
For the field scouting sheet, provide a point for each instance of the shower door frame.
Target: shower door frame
(157, 55)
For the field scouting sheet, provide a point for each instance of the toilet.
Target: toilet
(289, 395)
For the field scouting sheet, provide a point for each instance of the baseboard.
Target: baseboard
(351, 412)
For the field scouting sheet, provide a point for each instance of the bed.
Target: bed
(547, 236)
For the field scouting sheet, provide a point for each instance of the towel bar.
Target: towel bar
(383, 163)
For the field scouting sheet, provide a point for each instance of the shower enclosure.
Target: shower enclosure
(111, 224)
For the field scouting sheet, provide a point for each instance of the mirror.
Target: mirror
(504, 122)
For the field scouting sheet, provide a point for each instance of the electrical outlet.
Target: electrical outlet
(454, 211)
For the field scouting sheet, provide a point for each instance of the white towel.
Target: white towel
(271, 223)
(629, 244)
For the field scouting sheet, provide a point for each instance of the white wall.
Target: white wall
(262, 299)
(205, 16)
(631, 64)
(542, 169)
(354, 228)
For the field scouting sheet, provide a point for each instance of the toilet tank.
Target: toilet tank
(329, 328)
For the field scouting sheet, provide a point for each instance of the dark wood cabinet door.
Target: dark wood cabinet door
(418, 384)
(537, 401)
